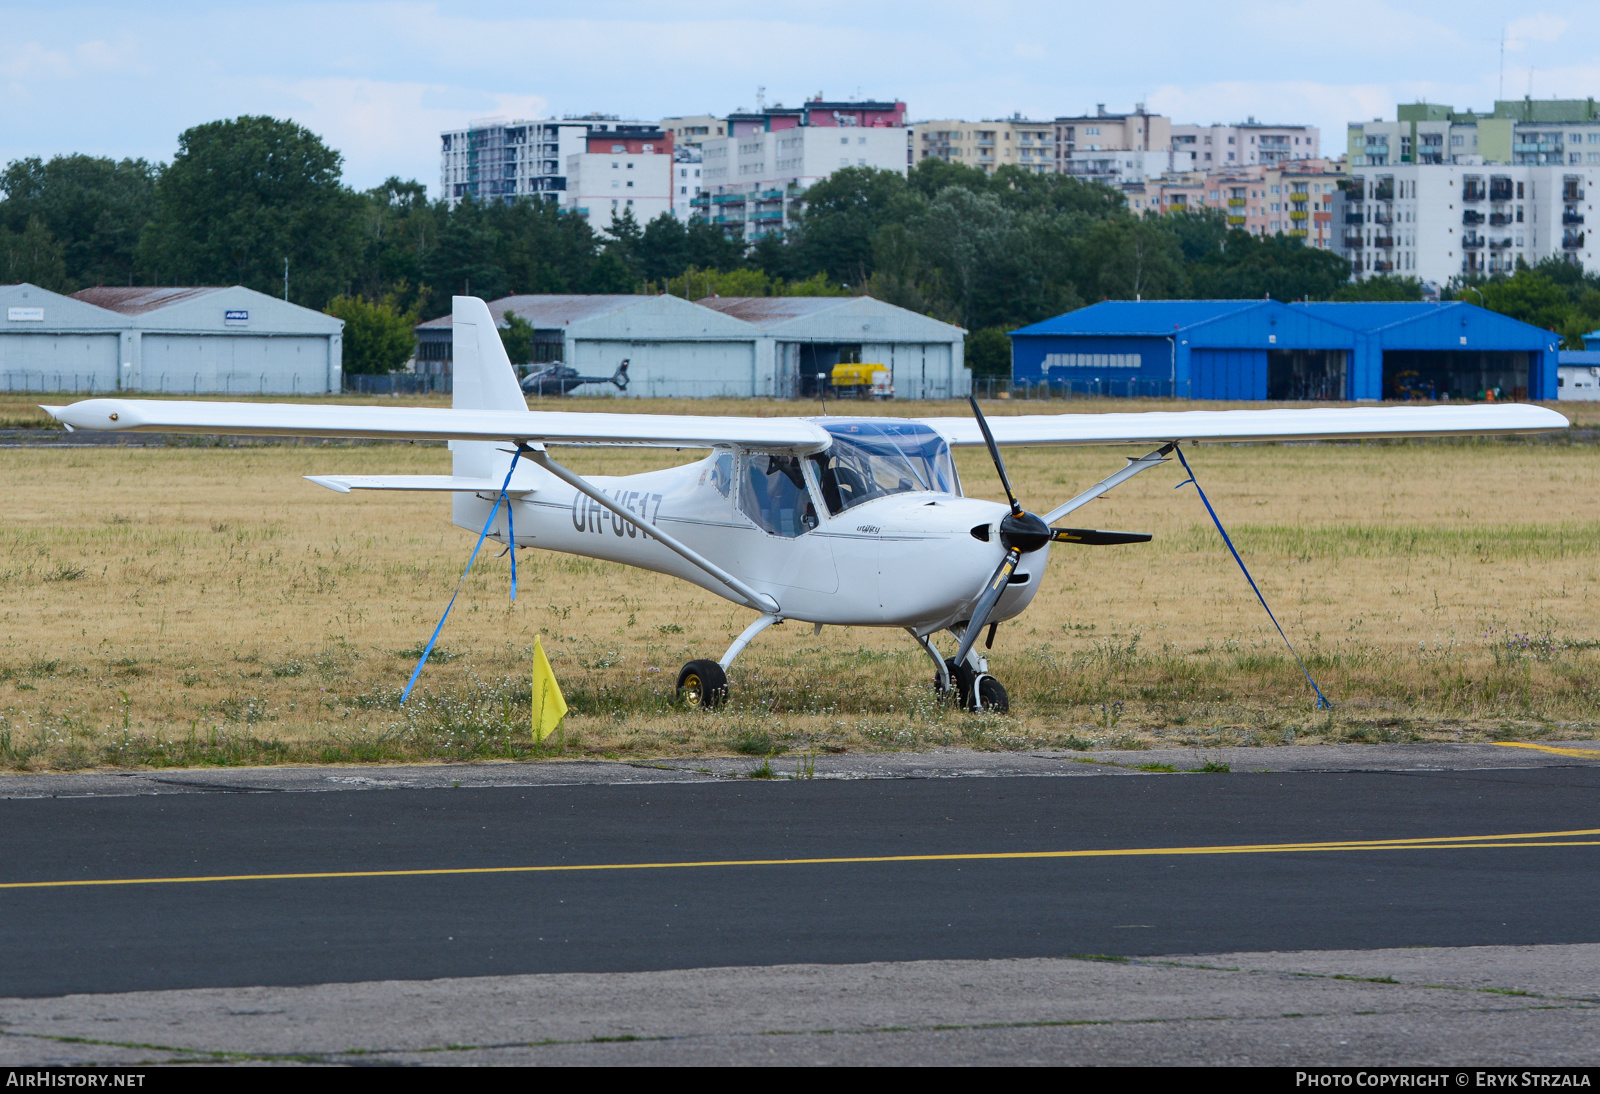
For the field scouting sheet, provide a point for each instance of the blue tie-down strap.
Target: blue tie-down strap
(1322, 701)
(511, 539)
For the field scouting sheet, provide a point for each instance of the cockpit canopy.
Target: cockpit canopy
(873, 458)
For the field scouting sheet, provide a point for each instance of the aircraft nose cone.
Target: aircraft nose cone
(1025, 533)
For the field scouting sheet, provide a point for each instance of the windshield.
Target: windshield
(872, 459)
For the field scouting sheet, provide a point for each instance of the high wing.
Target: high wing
(796, 435)
(1159, 427)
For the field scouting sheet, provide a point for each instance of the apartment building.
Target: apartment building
(1117, 148)
(1014, 141)
(619, 173)
(1296, 199)
(1246, 144)
(687, 181)
(1526, 132)
(692, 130)
(1440, 221)
(754, 178)
(496, 159)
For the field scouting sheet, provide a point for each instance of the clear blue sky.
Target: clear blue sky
(380, 80)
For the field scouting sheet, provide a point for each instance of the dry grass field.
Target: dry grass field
(202, 604)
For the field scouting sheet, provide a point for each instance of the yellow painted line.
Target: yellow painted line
(1424, 843)
(1584, 753)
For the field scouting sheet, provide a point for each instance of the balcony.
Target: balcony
(1235, 222)
(1472, 193)
(1472, 240)
(1353, 243)
(1299, 233)
(1382, 217)
(767, 214)
(1472, 216)
(1299, 214)
(1571, 192)
(1572, 241)
(1236, 202)
(1571, 218)
(1500, 190)
(727, 199)
(1499, 220)
(1354, 216)
(700, 199)
(770, 195)
(1500, 244)
(1383, 242)
(1381, 266)
(727, 220)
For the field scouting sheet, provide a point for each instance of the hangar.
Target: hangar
(195, 340)
(1265, 349)
(726, 346)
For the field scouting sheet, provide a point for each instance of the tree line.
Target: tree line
(261, 202)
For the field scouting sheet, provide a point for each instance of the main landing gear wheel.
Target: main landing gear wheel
(702, 685)
(989, 690)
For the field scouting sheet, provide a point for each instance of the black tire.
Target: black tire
(702, 685)
(995, 700)
(961, 676)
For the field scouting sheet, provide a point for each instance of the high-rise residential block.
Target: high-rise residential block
(495, 159)
(755, 177)
(620, 173)
(1222, 147)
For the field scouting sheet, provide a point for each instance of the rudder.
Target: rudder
(483, 379)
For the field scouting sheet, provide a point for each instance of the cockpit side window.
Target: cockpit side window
(772, 493)
(721, 472)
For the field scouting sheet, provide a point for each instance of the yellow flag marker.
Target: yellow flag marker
(548, 705)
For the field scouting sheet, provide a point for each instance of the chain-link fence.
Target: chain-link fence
(398, 383)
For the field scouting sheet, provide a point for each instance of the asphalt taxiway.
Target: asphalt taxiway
(171, 893)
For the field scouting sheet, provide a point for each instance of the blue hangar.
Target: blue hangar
(1264, 349)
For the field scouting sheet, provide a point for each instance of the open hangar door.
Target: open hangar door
(694, 370)
(1455, 374)
(1321, 375)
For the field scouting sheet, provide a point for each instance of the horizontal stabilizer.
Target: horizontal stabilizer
(453, 483)
(1093, 537)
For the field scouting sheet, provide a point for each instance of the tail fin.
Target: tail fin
(483, 379)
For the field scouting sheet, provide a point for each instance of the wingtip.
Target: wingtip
(336, 485)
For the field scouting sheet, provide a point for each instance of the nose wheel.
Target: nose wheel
(976, 690)
(702, 685)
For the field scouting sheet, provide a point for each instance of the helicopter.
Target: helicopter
(559, 379)
(833, 521)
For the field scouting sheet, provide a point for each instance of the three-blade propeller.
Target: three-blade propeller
(1021, 532)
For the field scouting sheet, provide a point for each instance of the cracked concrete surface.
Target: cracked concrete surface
(1488, 1006)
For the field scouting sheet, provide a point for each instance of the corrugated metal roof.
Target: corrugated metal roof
(548, 312)
(1131, 317)
(1372, 314)
(769, 311)
(138, 300)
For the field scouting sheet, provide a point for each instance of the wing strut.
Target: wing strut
(1143, 463)
(761, 602)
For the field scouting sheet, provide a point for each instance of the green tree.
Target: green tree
(842, 213)
(1251, 267)
(378, 336)
(1382, 287)
(243, 196)
(1530, 296)
(35, 256)
(517, 337)
(1127, 258)
(988, 352)
(94, 207)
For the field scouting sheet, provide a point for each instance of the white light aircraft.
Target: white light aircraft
(844, 521)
